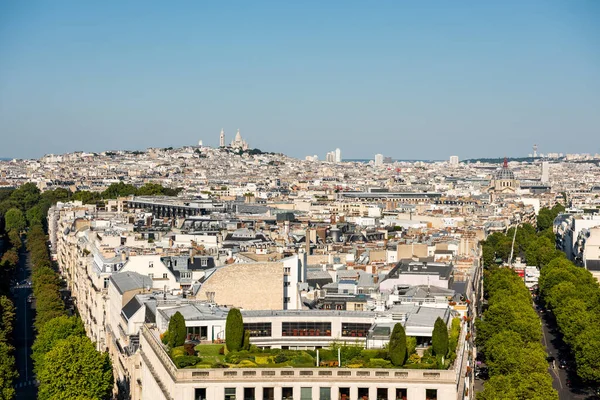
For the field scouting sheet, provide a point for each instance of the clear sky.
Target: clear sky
(408, 79)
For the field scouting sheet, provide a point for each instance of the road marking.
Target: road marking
(557, 377)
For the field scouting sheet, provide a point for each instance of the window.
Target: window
(204, 262)
(287, 271)
(286, 300)
(286, 284)
(268, 393)
(229, 393)
(325, 393)
(363, 393)
(344, 393)
(151, 276)
(165, 276)
(430, 394)
(249, 394)
(199, 394)
(350, 329)
(287, 393)
(401, 394)
(306, 328)
(106, 283)
(151, 264)
(382, 394)
(258, 329)
(306, 393)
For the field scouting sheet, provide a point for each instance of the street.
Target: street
(23, 332)
(556, 349)
(563, 379)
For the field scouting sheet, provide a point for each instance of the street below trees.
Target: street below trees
(564, 379)
(23, 333)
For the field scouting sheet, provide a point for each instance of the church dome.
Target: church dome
(505, 173)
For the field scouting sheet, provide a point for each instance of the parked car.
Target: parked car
(482, 373)
(563, 364)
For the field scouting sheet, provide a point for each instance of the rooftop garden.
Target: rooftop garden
(239, 353)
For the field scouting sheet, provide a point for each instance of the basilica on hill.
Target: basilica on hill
(236, 143)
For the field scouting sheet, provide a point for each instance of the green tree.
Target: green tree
(10, 259)
(536, 386)
(587, 354)
(73, 368)
(439, 338)
(177, 330)
(50, 333)
(506, 352)
(8, 371)
(234, 330)
(397, 347)
(7, 316)
(36, 215)
(15, 220)
(26, 196)
(86, 197)
(15, 239)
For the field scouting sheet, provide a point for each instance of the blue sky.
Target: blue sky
(409, 79)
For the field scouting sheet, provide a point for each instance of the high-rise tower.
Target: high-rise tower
(222, 138)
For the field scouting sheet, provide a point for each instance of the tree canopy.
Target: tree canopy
(74, 368)
(14, 220)
(50, 333)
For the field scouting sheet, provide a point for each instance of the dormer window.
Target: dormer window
(204, 262)
(151, 264)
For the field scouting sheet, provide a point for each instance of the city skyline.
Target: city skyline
(424, 80)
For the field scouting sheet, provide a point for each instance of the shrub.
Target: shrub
(177, 352)
(219, 365)
(350, 352)
(379, 363)
(280, 358)
(254, 349)
(411, 344)
(246, 344)
(369, 354)
(177, 330)
(247, 364)
(327, 355)
(189, 349)
(397, 346)
(222, 350)
(186, 361)
(234, 330)
(414, 359)
(439, 338)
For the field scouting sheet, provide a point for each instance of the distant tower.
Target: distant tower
(454, 161)
(378, 160)
(535, 151)
(222, 138)
(545, 172)
(338, 155)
